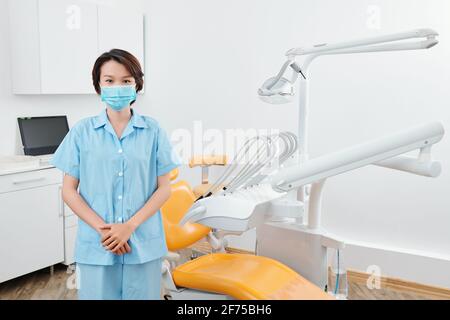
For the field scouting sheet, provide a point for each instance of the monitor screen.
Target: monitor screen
(42, 135)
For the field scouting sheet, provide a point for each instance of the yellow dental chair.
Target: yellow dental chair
(222, 275)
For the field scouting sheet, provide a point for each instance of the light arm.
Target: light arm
(428, 37)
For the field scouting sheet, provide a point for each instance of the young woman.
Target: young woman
(120, 161)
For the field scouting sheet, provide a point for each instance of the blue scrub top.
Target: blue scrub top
(116, 178)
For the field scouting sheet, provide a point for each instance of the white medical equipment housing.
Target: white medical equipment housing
(269, 204)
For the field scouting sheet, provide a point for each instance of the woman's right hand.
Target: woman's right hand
(124, 249)
(120, 251)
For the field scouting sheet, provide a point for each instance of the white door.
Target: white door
(31, 230)
(122, 28)
(68, 45)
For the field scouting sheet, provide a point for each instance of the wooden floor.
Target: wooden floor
(39, 285)
(60, 286)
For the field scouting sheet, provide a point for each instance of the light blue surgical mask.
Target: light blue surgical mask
(118, 97)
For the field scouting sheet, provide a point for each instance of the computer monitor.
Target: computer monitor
(42, 135)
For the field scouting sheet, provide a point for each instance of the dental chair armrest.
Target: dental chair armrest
(208, 160)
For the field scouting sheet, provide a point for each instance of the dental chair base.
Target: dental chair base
(302, 249)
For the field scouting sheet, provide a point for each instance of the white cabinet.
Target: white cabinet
(54, 43)
(31, 222)
(68, 45)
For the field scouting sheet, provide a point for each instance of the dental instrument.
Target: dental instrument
(255, 171)
(243, 151)
(251, 172)
(289, 148)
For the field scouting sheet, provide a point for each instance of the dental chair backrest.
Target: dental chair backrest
(181, 199)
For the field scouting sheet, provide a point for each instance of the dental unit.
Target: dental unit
(279, 190)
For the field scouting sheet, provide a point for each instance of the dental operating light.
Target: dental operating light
(280, 89)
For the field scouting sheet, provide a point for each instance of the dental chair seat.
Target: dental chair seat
(245, 276)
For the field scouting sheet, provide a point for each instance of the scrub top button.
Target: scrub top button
(120, 151)
(119, 197)
(120, 173)
(119, 219)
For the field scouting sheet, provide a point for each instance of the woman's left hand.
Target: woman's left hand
(117, 236)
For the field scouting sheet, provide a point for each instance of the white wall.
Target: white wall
(206, 59)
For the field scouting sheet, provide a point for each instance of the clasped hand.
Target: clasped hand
(115, 237)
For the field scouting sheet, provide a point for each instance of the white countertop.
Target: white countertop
(17, 164)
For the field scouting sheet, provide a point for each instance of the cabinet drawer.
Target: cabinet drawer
(30, 179)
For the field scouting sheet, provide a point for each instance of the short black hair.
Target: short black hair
(123, 57)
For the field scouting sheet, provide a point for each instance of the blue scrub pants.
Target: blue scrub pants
(120, 281)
